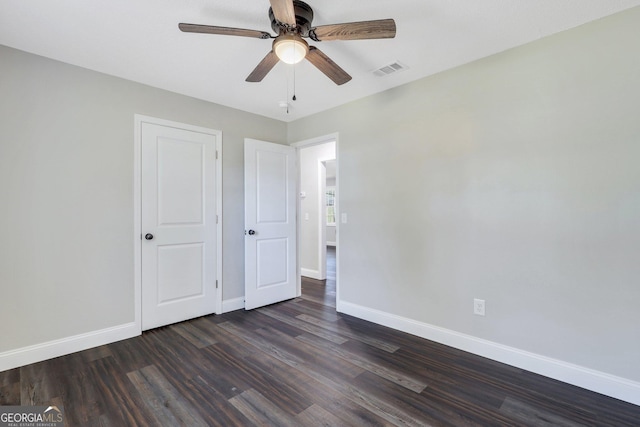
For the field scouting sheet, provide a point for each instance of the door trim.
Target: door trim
(137, 207)
(309, 143)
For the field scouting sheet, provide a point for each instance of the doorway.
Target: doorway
(317, 225)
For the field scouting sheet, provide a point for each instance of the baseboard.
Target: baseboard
(314, 274)
(48, 350)
(331, 243)
(599, 382)
(232, 304)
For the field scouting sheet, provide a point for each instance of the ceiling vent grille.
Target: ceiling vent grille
(390, 69)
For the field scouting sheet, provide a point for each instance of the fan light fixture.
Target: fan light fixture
(290, 48)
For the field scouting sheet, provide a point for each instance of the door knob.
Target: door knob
(148, 236)
(252, 232)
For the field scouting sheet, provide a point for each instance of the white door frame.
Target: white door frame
(137, 207)
(309, 143)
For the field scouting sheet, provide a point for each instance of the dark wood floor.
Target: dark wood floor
(298, 363)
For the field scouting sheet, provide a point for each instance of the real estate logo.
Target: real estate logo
(31, 416)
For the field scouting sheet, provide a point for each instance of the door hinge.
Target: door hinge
(216, 154)
(216, 219)
(216, 284)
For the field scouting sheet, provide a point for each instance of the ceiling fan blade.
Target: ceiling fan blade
(327, 66)
(379, 29)
(263, 68)
(283, 11)
(225, 31)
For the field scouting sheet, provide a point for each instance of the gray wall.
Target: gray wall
(66, 194)
(514, 179)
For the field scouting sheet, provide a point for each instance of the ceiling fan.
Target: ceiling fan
(291, 20)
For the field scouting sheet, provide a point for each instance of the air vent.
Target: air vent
(390, 69)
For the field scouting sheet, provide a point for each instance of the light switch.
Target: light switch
(306, 216)
(343, 217)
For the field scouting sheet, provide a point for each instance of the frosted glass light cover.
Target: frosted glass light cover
(290, 50)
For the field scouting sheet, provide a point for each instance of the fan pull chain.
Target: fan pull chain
(287, 97)
(294, 82)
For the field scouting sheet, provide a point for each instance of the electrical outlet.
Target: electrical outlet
(478, 307)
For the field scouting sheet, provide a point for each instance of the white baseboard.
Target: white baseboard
(48, 350)
(600, 382)
(232, 304)
(331, 243)
(314, 274)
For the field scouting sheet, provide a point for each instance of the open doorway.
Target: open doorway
(317, 213)
(313, 162)
(331, 214)
(319, 264)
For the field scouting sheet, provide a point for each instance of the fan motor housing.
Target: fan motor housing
(304, 16)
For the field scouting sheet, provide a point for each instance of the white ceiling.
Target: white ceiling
(139, 40)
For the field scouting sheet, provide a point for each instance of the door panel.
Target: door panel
(270, 223)
(179, 209)
(272, 262)
(272, 186)
(180, 272)
(181, 177)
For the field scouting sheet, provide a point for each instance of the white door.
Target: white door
(270, 223)
(179, 233)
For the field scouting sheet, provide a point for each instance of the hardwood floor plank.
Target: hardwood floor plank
(455, 412)
(96, 353)
(417, 405)
(304, 326)
(294, 353)
(192, 360)
(323, 363)
(316, 310)
(413, 384)
(475, 376)
(263, 344)
(223, 375)
(248, 377)
(255, 319)
(191, 333)
(78, 390)
(36, 385)
(120, 403)
(239, 346)
(10, 394)
(574, 402)
(338, 329)
(9, 377)
(212, 405)
(328, 378)
(324, 301)
(164, 402)
(315, 415)
(350, 413)
(532, 416)
(260, 410)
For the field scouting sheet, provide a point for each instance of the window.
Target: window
(331, 205)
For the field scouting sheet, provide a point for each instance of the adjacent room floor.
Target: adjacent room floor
(298, 363)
